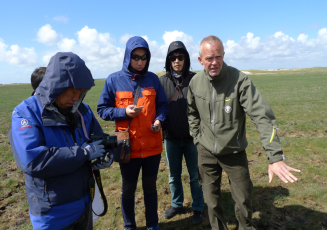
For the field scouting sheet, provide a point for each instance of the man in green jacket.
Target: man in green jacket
(218, 99)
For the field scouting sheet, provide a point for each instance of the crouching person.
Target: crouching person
(49, 139)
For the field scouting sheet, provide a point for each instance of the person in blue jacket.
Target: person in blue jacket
(49, 140)
(116, 104)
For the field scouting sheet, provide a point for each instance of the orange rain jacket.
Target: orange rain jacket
(118, 92)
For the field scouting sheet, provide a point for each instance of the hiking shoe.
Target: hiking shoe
(197, 217)
(154, 228)
(172, 211)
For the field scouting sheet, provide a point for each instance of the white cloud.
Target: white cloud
(96, 49)
(103, 56)
(46, 58)
(277, 51)
(322, 36)
(17, 56)
(47, 35)
(175, 35)
(22, 56)
(66, 44)
(61, 18)
(124, 38)
(100, 52)
(302, 37)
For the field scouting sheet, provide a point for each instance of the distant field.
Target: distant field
(298, 99)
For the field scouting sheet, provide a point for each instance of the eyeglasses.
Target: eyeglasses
(180, 57)
(137, 57)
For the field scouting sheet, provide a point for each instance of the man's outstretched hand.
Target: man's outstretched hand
(282, 171)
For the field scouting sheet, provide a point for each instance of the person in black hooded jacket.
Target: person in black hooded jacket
(178, 141)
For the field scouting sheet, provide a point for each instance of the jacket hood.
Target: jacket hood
(132, 44)
(176, 45)
(65, 70)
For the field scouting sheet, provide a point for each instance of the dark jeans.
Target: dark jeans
(175, 150)
(236, 167)
(130, 172)
(85, 222)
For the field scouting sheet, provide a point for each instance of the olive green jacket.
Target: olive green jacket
(217, 111)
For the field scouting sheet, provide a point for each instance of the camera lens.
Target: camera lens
(109, 142)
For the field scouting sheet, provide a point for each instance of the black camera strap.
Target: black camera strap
(97, 176)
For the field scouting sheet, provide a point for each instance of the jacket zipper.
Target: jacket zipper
(238, 140)
(213, 118)
(273, 133)
(66, 137)
(46, 195)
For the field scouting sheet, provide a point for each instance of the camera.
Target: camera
(155, 127)
(109, 142)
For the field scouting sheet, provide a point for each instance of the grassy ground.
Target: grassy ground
(298, 100)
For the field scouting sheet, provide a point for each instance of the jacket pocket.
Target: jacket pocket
(124, 98)
(148, 99)
(156, 140)
(204, 108)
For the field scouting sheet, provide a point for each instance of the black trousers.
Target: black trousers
(210, 171)
(130, 173)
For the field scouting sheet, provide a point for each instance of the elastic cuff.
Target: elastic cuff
(277, 157)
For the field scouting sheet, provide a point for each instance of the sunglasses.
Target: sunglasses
(180, 57)
(137, 57)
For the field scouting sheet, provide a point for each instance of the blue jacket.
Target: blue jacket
(118, 92)
(45, 147)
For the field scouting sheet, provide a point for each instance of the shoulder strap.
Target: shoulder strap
(136, 97)
(179, 88)
(138, 90)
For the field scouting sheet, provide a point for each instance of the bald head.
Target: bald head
(210, 40)
(212, 55)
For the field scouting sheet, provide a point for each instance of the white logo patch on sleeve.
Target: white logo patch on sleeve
(24, 124)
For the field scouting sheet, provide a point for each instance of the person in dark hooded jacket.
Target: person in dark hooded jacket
(178, 141)
(48, 139)
(37, 77)
(116, 104)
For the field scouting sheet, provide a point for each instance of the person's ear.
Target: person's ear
(200, 60)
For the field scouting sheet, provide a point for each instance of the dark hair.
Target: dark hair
(37, 76)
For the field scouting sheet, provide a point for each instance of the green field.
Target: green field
(297, 98)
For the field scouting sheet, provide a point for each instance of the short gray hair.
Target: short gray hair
(211, 40)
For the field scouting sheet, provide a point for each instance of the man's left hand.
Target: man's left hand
(282, 171)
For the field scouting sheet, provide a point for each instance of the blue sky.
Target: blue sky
(256, 34)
